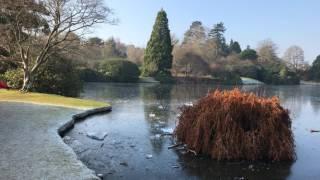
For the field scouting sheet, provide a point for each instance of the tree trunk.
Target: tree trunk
(27, 81)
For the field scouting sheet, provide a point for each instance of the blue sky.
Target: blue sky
(286, 22)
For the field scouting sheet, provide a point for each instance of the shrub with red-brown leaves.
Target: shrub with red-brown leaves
(232, 125)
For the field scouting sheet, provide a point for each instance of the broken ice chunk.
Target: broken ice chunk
(97, 135)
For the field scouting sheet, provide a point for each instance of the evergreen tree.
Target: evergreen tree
(95, 41)
(234, 47)
(315, 69)
(248, 54)
(158, 57)
(217, 34)
(196, 34)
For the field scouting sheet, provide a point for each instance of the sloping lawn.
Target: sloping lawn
(49, 99)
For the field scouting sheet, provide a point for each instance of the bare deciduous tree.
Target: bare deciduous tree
(174, 40)
(195, 34)
(267, 51)
(191, 64)
(42, 28)
(135, 54)
(294, 57)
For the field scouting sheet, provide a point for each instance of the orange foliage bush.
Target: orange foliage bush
(231, 125)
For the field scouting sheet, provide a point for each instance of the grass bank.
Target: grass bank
(49, 99)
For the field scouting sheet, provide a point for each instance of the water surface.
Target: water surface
(135, 147)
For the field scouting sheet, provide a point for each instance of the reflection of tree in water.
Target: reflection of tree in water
(206, 168)
(187, 92)
(292, 97)
(315, 104)
(112, 91)
(191, 92)
(315, 99)
(156, 101)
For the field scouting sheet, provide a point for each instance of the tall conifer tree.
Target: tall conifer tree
(158, 54)
(217, 34)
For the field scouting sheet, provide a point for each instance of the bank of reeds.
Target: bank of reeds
(232, 125)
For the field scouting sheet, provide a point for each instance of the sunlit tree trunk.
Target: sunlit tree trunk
(27, 82)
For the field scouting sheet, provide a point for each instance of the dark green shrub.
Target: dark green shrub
(6, 65)
(288, 77)
(248, 54)
(227, 77)
(91, 75)
(164, 77)
(4, 52)
(231, 78)
(277, 73)
(120, 71)
(58, 76)
(14, 78)
(247, 70)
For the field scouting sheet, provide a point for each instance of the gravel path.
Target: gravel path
(30, 147)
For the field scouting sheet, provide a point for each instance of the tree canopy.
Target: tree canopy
(234, 47)
(249, 54)
(294, 56)
(315, 69)
(217, 34)
(195, 34)
(267, 51)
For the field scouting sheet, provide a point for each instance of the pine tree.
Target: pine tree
(217, 34)
(314, 72)
(235, 47)
(158, 54)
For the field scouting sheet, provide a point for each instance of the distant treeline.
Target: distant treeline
(40, 59)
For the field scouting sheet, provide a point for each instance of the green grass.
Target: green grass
(49, 99)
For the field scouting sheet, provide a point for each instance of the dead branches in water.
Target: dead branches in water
(314, 131)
